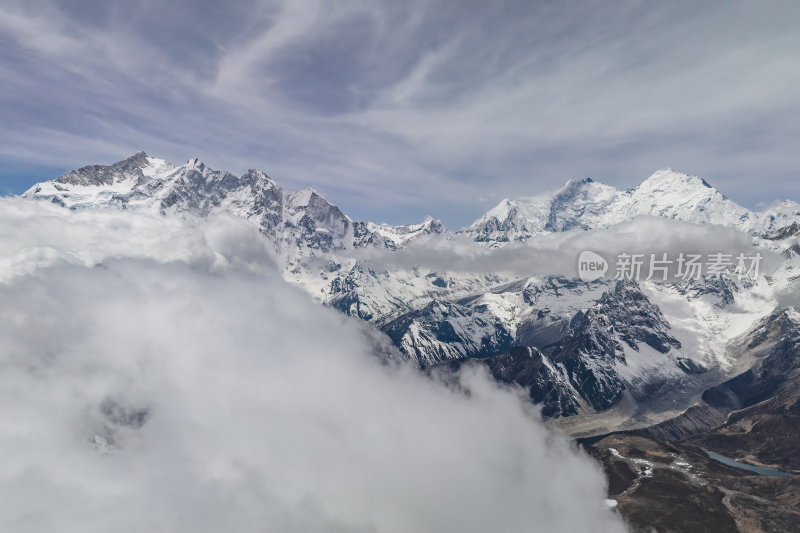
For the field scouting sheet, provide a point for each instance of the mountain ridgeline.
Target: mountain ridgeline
(634, 352)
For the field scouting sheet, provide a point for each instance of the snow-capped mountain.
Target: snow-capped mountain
(301, 219)
(587, 204)
(576, 347)
(587, 346)
(580, 340)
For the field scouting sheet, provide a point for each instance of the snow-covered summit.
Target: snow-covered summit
(579, 204)
(671, 194)
(587, 204)
(294, 220)
(512, 220)
(100, 184)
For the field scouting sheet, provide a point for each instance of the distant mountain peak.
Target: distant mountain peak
(587, 204)
(298, 219)
(576, 185)
(195, 163)
(668, 177)
(139, 157)
(99, 175)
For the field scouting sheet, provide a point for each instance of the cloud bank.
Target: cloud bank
(157, 375)
(557, 253)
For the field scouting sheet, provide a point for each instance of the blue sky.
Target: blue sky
(397, 110)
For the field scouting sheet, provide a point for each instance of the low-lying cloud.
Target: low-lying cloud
(160, 376)
(557, 253)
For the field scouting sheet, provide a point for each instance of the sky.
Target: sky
(398, 110)
(195, 399)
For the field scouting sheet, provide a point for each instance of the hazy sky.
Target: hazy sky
(395, 110)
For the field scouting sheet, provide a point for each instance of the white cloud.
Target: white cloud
(557, 253)
(227, 401)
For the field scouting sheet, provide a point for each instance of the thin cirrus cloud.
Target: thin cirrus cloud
(209, 395)
(394, 110)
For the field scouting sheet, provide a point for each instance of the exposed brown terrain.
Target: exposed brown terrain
(678, 488)
(662, 478)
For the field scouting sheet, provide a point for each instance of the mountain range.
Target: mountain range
(598, 356)
(586, 204)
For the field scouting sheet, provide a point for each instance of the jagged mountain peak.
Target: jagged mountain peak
(588, 204)
(580, 187)
(97, 175)
(575, 184)
(305, 196)
(511, 220)
(194, 163)
(428, 225)
(394, 237)
(433, 225)
(298, 219)
(140, 159)
(258, 179)
(257, 174)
